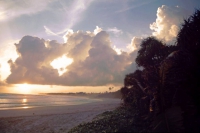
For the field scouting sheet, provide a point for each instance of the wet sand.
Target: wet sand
(56, 119)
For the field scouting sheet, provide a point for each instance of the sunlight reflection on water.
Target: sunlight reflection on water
(25, 107)
(24, 100)
(18, 101)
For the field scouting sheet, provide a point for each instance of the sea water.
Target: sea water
(21, 101)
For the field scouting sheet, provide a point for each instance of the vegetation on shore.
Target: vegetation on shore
(163, 95)
(122, 119)
(116, 94)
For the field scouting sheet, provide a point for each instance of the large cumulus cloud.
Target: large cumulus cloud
(95, 62)
(135, 43)
(168, 22)
(33, 63)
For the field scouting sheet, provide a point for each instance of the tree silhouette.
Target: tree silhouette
(169, 81)
(188, 37)
(132, 87)
(152, 52)
(150, 55)
(188, 40)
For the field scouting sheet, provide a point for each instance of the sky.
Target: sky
(80, 45)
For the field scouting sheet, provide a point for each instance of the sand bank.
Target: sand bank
(52, 119)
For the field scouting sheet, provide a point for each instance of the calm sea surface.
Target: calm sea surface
(19, 101)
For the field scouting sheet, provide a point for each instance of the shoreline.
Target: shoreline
(53, 119)
(44, 110)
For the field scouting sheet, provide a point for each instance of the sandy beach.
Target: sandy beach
(56, 119)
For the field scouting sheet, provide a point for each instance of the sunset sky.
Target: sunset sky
(80, 45)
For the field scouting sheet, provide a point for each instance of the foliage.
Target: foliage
(188, 37)
(169, 121)
(170, 77)
(164, 96)
(151, 53)
(122, 119)
(133, 90)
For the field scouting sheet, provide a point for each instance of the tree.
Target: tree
(131, 79)
(188, 37)
(179, 88)
(171, 76)
(151, 53)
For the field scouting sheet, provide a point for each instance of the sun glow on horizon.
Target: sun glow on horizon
(24, 100)
(24, 88)
(43, 89)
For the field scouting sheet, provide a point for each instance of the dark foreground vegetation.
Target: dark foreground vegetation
(164, 94)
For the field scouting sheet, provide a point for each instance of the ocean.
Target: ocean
(22, 101)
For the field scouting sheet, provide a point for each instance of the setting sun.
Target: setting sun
(24, 88)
